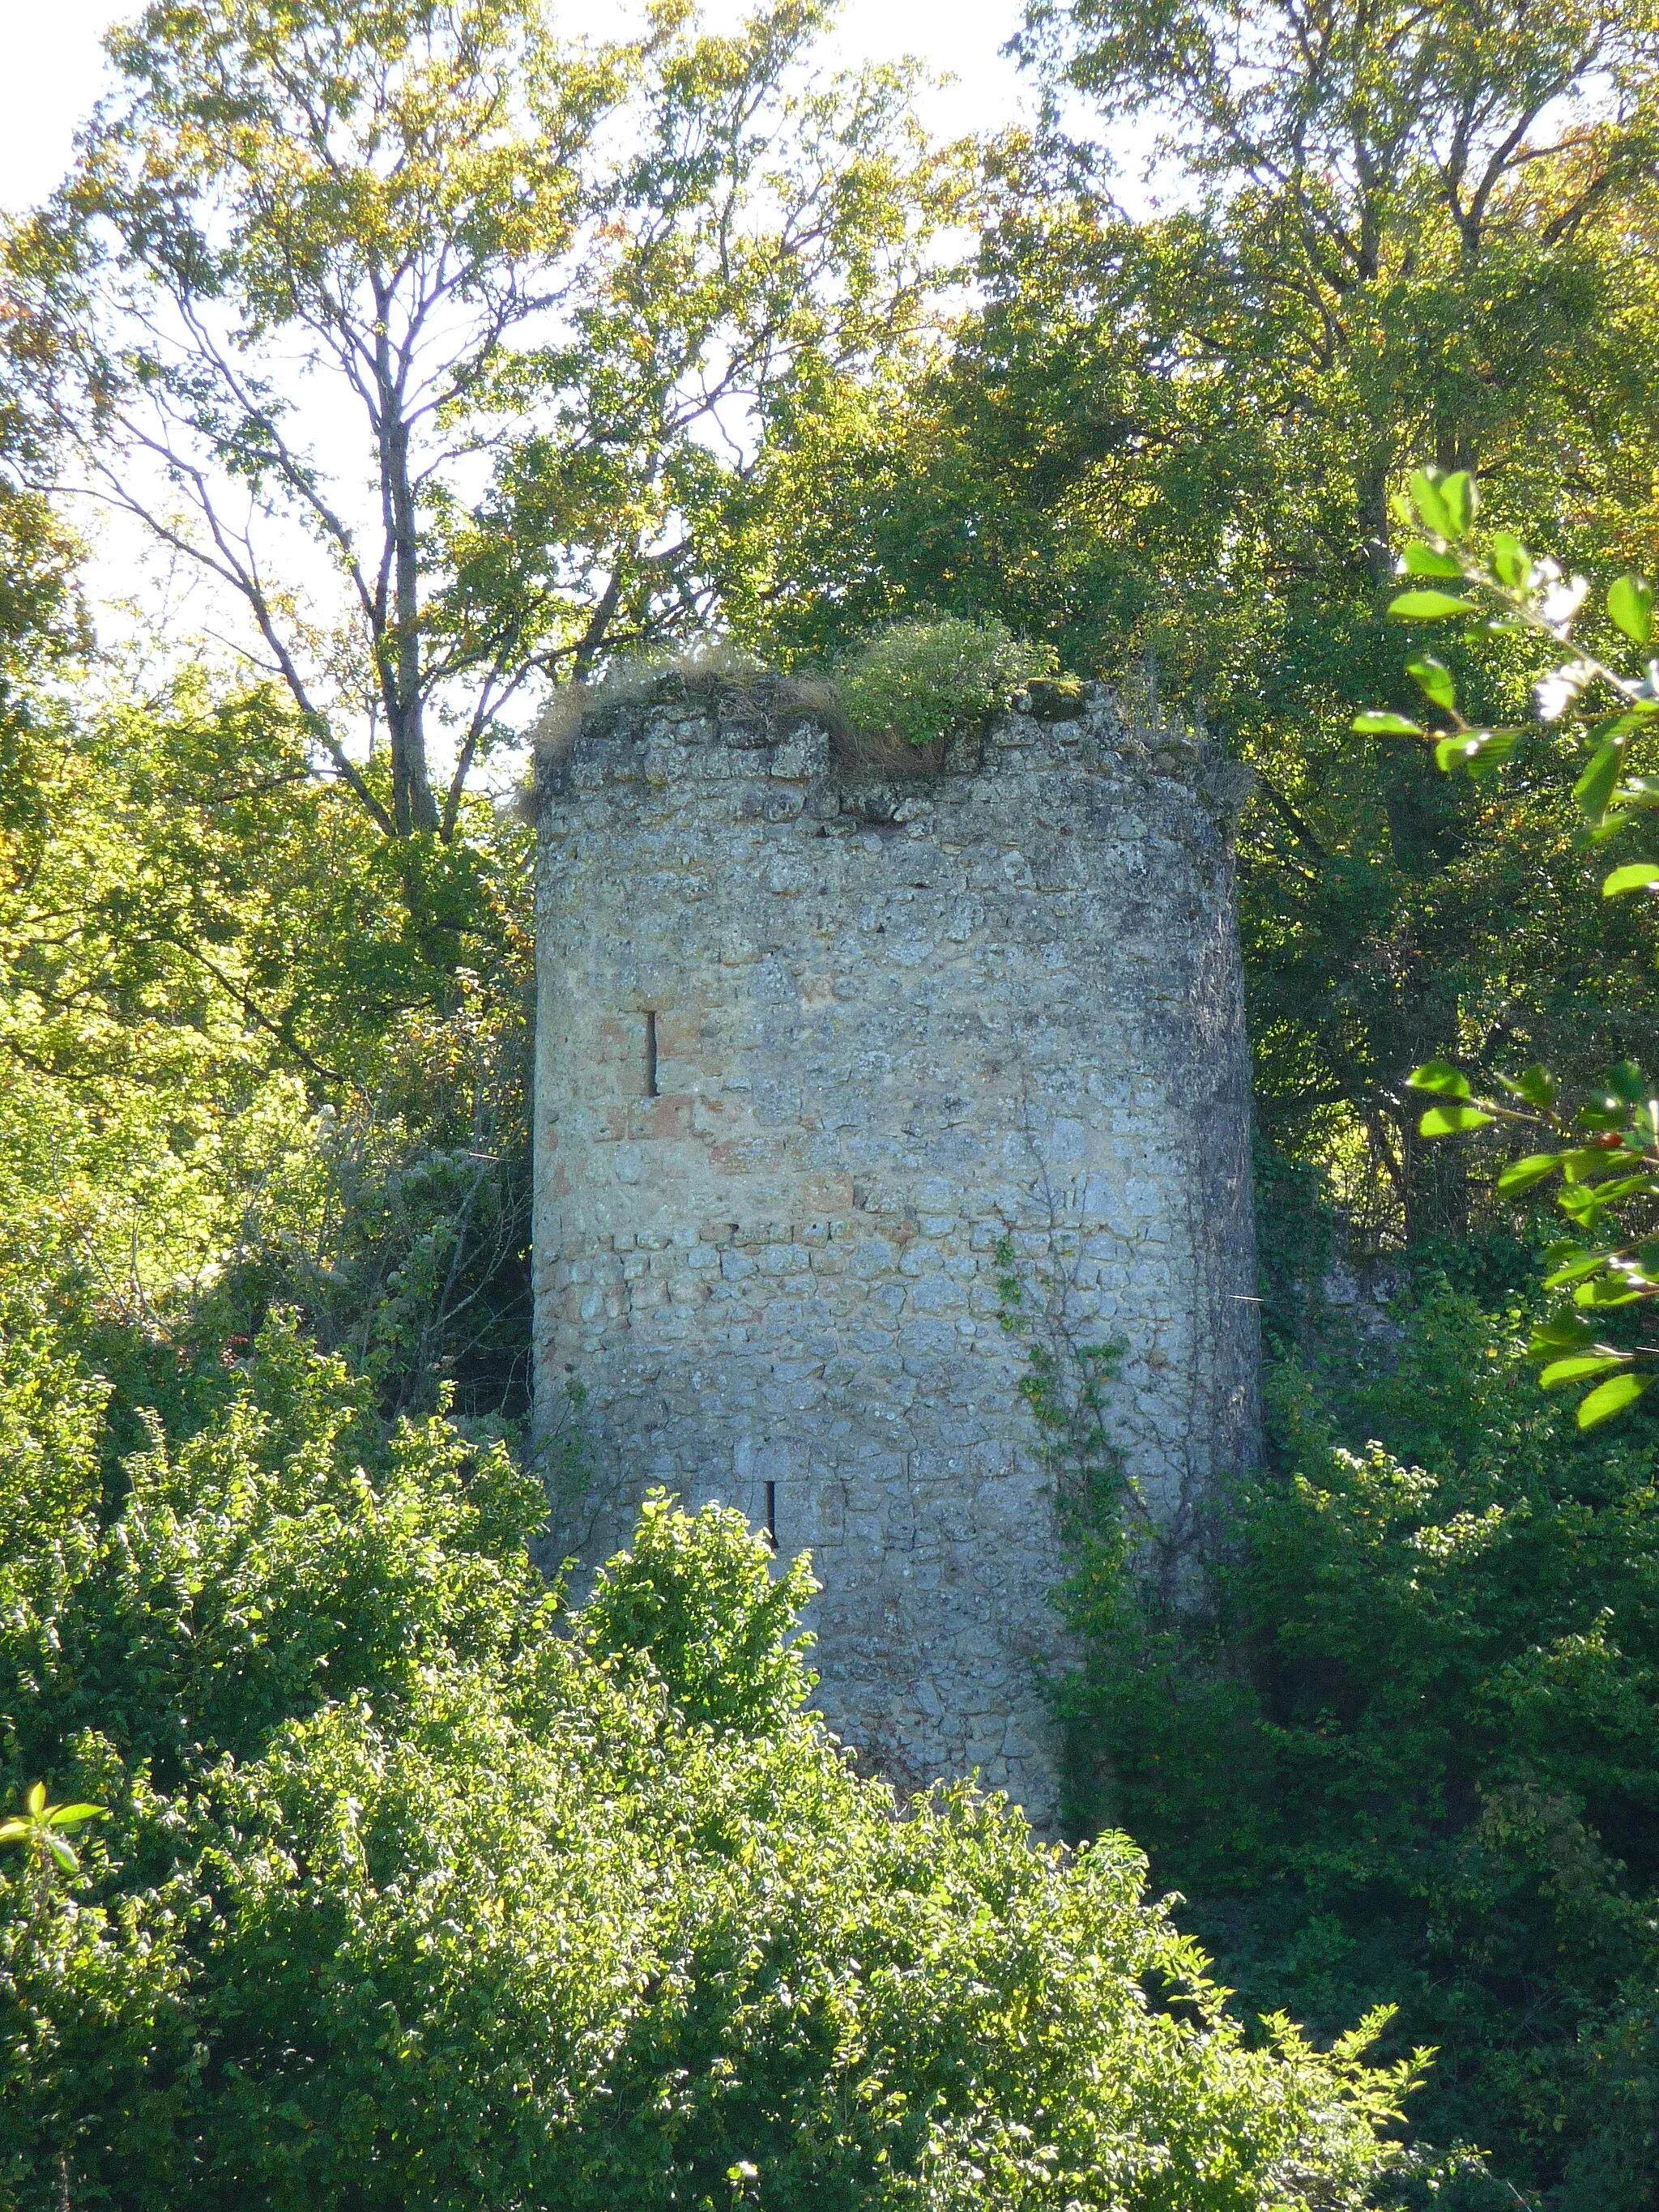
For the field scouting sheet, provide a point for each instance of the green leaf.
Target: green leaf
(1611, 1398)
(1570, 1263)
(1595, 788)
(1634, 876)
(1584, 1163)
(1430, 502)
(72, 1816)
(1523, 1174)
(1627, 1085)
(1635, 795)
(1629, 602)
(1461, 500)
(1618, 1187)
(1511, 560)
(1379, 725)
(1580, 1368)
(1479, 750)
(1429, 606)
(1434, 679)
(1422, 561)
(1442, 1077)
(1607, 1291)
(1536, 1085)
(1562, 1332)
(1449, 1120)
(63, 1852)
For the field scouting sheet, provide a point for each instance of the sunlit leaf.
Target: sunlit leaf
(1479, 750)
(1610, 1398)
(1536, 1085)
(1604, 1291)
(1584, 1163)
(1523, 1174)
(1562, 1332)
(1429, 606)
(1381, 725)
(1630, 604)
(1511, 563)
(1626, 1083)
(1434, 679)
(1460, 499)
(1580, 1368)
(1572, 1269)
(1430, 502)
(1634, 876)
(1595, 788)
(1442, 1077)
(1422, 561)
(1449, 1120)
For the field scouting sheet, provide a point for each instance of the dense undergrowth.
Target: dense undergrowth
(1404, 1752)
(413, 1888)
(413, 1891)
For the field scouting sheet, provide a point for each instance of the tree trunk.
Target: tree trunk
(414, 805)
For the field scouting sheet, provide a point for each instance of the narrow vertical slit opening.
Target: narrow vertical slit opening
(772, 1513)
(651, 1054)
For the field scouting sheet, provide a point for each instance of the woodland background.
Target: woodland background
(446, 357)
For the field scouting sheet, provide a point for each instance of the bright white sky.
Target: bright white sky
(54, 66)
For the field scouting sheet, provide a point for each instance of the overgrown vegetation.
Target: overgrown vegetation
(924, 681)
(409, 1887)
(408, 1890)
(1403, 1749)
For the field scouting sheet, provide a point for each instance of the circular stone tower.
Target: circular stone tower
(825, 1056)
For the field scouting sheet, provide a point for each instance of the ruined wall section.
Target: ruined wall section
(810, 1045)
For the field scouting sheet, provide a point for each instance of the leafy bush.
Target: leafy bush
(406, 1896)
(257, 1055)
(1407, 1754)
(695, 1604)
(923, 681)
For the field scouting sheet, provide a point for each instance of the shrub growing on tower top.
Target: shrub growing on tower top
(922, 681)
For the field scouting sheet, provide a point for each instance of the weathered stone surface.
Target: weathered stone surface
(893, 1025)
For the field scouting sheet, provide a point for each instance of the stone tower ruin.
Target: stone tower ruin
(820, 1047)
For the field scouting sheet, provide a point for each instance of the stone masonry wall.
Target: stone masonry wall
(810, 1046)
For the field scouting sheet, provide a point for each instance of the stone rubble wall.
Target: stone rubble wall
(895, 1023)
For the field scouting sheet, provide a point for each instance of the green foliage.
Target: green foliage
(1403, 1752)
(1604, 1148)
(257, 1055)
(540, 278)
(252, 1572)
(43, 1832)
(699, 1604)
(1165, 445)
(405, 1895)
(925, 681)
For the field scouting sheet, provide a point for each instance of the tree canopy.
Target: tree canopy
(537, 295)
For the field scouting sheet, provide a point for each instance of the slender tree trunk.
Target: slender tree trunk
(417, 810)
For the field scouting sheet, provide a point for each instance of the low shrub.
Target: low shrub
(415, 1891)
(924, 681)
(1405, 1757)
